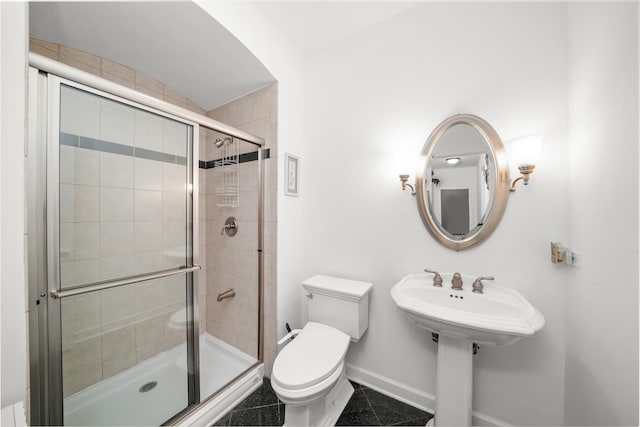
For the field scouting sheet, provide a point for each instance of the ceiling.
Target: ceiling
(314, 25)
(182, 46)
(176, 43)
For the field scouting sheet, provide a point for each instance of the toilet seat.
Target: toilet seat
(312, 357)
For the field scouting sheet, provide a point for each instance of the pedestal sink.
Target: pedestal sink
(499, 316)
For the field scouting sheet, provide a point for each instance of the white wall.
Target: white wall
(370, 103)
(602, 303)
(13, 18)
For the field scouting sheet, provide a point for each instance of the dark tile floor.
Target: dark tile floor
(366, 407)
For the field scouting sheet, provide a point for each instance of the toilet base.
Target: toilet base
(324, 411)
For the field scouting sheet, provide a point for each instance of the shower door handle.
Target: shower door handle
(59, 294)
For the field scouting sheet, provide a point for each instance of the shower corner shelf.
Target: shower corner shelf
(228, 192)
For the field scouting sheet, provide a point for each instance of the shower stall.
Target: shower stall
(146, 298)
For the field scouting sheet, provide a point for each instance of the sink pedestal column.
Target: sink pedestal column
(454, 379)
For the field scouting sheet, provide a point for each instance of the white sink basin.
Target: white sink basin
(498, 316)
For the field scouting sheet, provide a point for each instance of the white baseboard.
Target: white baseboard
(13, 415)
(392, 388)
(480, 419)
(410, 395)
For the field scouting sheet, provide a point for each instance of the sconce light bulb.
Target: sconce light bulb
(524, 150)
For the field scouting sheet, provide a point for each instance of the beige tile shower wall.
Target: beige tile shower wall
(119, 215)
(112, 71)
(106, 332)
(232, 261)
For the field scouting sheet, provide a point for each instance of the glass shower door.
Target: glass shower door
(120, 240)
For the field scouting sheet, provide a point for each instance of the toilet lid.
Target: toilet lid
(311, 357)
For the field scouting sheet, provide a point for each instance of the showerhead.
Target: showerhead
(220, 142)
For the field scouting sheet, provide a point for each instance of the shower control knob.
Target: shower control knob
(230, 227)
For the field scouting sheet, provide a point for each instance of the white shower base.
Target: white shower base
(118, 401)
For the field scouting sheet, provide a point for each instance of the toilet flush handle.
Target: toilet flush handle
(289, 336)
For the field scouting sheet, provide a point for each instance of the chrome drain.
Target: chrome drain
(148, 387)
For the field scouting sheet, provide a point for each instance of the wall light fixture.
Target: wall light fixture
(524, 153)
(405, 183)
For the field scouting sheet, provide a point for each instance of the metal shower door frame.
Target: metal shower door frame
(51, 391)
(46, 397)
(36, 245)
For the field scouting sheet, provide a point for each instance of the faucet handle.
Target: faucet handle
(477, 284)
(437, 279)
(456, 282)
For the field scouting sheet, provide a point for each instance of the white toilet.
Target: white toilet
(309, 374)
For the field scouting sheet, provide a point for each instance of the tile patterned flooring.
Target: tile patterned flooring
(366, 407)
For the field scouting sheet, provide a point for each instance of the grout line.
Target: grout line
(255, 407)
(372, 408)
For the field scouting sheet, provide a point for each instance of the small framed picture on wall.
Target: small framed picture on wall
(291, 168)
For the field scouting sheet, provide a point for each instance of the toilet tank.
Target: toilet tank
(340, 303)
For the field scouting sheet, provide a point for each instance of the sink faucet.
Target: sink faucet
(437, 279)
(477, 284)
(456, 282)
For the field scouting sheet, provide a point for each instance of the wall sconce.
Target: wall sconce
(524, 153)
(405, 183)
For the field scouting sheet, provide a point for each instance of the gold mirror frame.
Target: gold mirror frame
(500, 171)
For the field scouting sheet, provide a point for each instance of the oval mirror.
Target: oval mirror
(463, 183)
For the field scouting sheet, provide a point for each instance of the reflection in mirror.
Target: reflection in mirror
(463, 184)
(457, 180)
